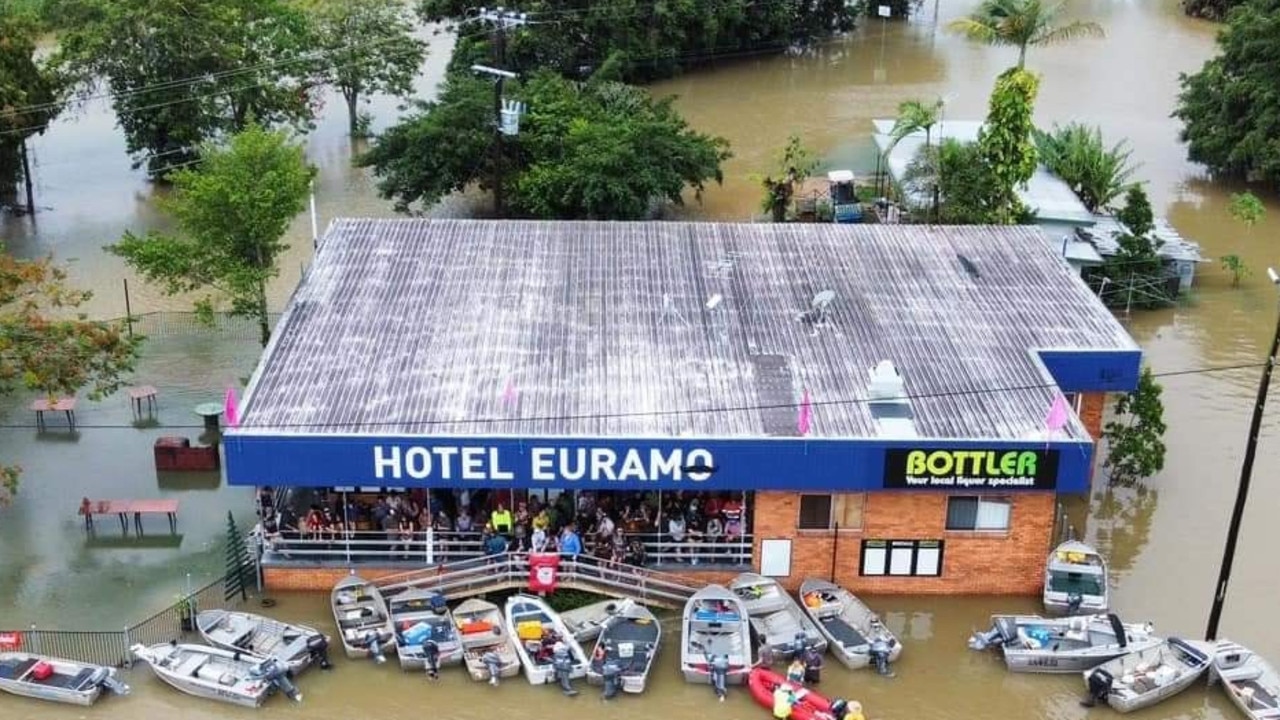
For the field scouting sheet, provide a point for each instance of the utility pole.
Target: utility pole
(1246, 474)
(502, 19)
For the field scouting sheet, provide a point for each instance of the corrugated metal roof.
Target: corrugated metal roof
(1046, 194)
(1170, 243)
(603, 329)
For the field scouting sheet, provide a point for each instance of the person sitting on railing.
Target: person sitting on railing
(676, 530)
(404, 533)
(693, 521)
(464, 519)
(712, 535)
(604, 529)
(314, 524)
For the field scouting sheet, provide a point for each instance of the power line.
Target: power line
(646, 413)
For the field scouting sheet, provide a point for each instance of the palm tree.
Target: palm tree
(1022, 23)
(915, 115)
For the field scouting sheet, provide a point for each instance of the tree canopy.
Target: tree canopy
(1230, 110)
(47, 346)
(232, 212)
(597, 149)
(30, 94)
(368, 47)
(1022, 24)
(1135, 437)
(1075, 152)
(182, 72)
(1216, 10)
(1005, 143)
(574, 37)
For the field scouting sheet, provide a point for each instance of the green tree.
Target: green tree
(794, 166)
(1022, 24)
(956, 175)
(914, 116)
(1216, 10)
(1135, 275)
(30, 97)
(232, 212)
(1247, 208)
(368, 47)
(1229, 110)
(655, 39)
(585, 150)
(182, 72)
(1136, 215)
(1135, 437)
(1005, 143)
(48, 346)
(1076, 154)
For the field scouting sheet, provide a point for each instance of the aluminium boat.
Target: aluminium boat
(57, 680)
(1031, 643)
(216, 674)
(486, 645)
(1143, 678)
(625, 648)
(855, 634)
(777, 621)
(1075, 580)
(364, 624)
(297, 646)
(715, 629)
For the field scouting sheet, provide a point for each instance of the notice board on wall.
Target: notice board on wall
(775, 558)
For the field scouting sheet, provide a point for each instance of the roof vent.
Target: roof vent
(968, 266)
(890, 407)
(819, 310)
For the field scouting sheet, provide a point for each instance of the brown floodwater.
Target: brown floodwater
(1164, 542)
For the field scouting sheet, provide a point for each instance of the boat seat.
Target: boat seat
(17, 670)
(191, 665)
(81, 680)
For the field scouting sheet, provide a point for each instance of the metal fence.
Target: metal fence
(434, 547)
(184, 324)
(111, 647)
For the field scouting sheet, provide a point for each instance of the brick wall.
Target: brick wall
(1092, 405)
(302, 578)
(973, 563)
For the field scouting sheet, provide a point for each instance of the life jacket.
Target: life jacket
(781, 703)
(500, 520)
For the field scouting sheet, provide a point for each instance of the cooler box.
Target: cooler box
(417, 634)
(529, 630)
(41, 671)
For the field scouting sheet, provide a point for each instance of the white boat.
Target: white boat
(585, 622)
(625, 649)
(364, 625)
(294, 645)
(1075, 580)
(485, 642)
(715, 628)
(856, 635)
(778, 622)
(57, 680)
(538, 630)
(1251, 682)
(217, 674)
(418, 616)
(1031, 643)
(1144, 678)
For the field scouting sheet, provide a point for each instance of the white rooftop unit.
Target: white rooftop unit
(890, 407)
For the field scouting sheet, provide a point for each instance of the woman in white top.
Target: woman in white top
(676, 532)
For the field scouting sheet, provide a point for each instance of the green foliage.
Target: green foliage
(914, 116)
(239, 562)
(794, 166)
(1247, 208)
(1022, 24)
(1237, 267)
(1136, 215)
(30, 93)
(957, 175)
(250, 60)
(1005, 143)
(1216, 10)
(1076, 154)
(655, 39)
(1230, 110)
(368, 48)
(232, 212)
(1134, 437)
(598, 150)
(48, 346)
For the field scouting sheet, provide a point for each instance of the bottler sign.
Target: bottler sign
(930, 469)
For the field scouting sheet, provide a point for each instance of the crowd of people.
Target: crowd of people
(616, 527)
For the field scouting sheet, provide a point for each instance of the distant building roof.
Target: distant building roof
(1171, 244)
(1045, 193)
(609, 330)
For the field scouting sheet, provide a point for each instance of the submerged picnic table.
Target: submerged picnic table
(124, 508)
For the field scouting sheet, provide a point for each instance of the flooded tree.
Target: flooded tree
(1023, 24)
(1005, 144)
(368, 47)
(30, 97)
(1135, 436)
(1075, 152)
(794, 166)
(1229, 110)
(47, 346)
(232, 211)
(181, 73)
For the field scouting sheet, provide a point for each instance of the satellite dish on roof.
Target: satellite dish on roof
(824, 299)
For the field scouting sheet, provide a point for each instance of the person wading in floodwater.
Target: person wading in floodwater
(431, 658)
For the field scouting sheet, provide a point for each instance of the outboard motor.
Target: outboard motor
(562, 663)
(318, 650)
(106, 678)
(273, 672)
(372, 641)
(431, 658)
(1099, 682)
(611, 671)
(880, 652)
(493, 663)
(989, 639)
(1074, 601)
(720, 675)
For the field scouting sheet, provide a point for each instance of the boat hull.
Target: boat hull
(62, 687)
(852, 616)
(296, 662)
(1187, 662)
(539, 673)
(1050, 662)
(634, 626)
(201, 691)
(58, 695)
(509, 667)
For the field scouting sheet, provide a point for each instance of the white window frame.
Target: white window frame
(1003, 500)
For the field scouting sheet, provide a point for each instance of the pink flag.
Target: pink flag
(1059, 414)
(806, 414)
(229, 408)
(509, 393)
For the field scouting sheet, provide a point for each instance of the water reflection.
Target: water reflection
(1121, 524)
